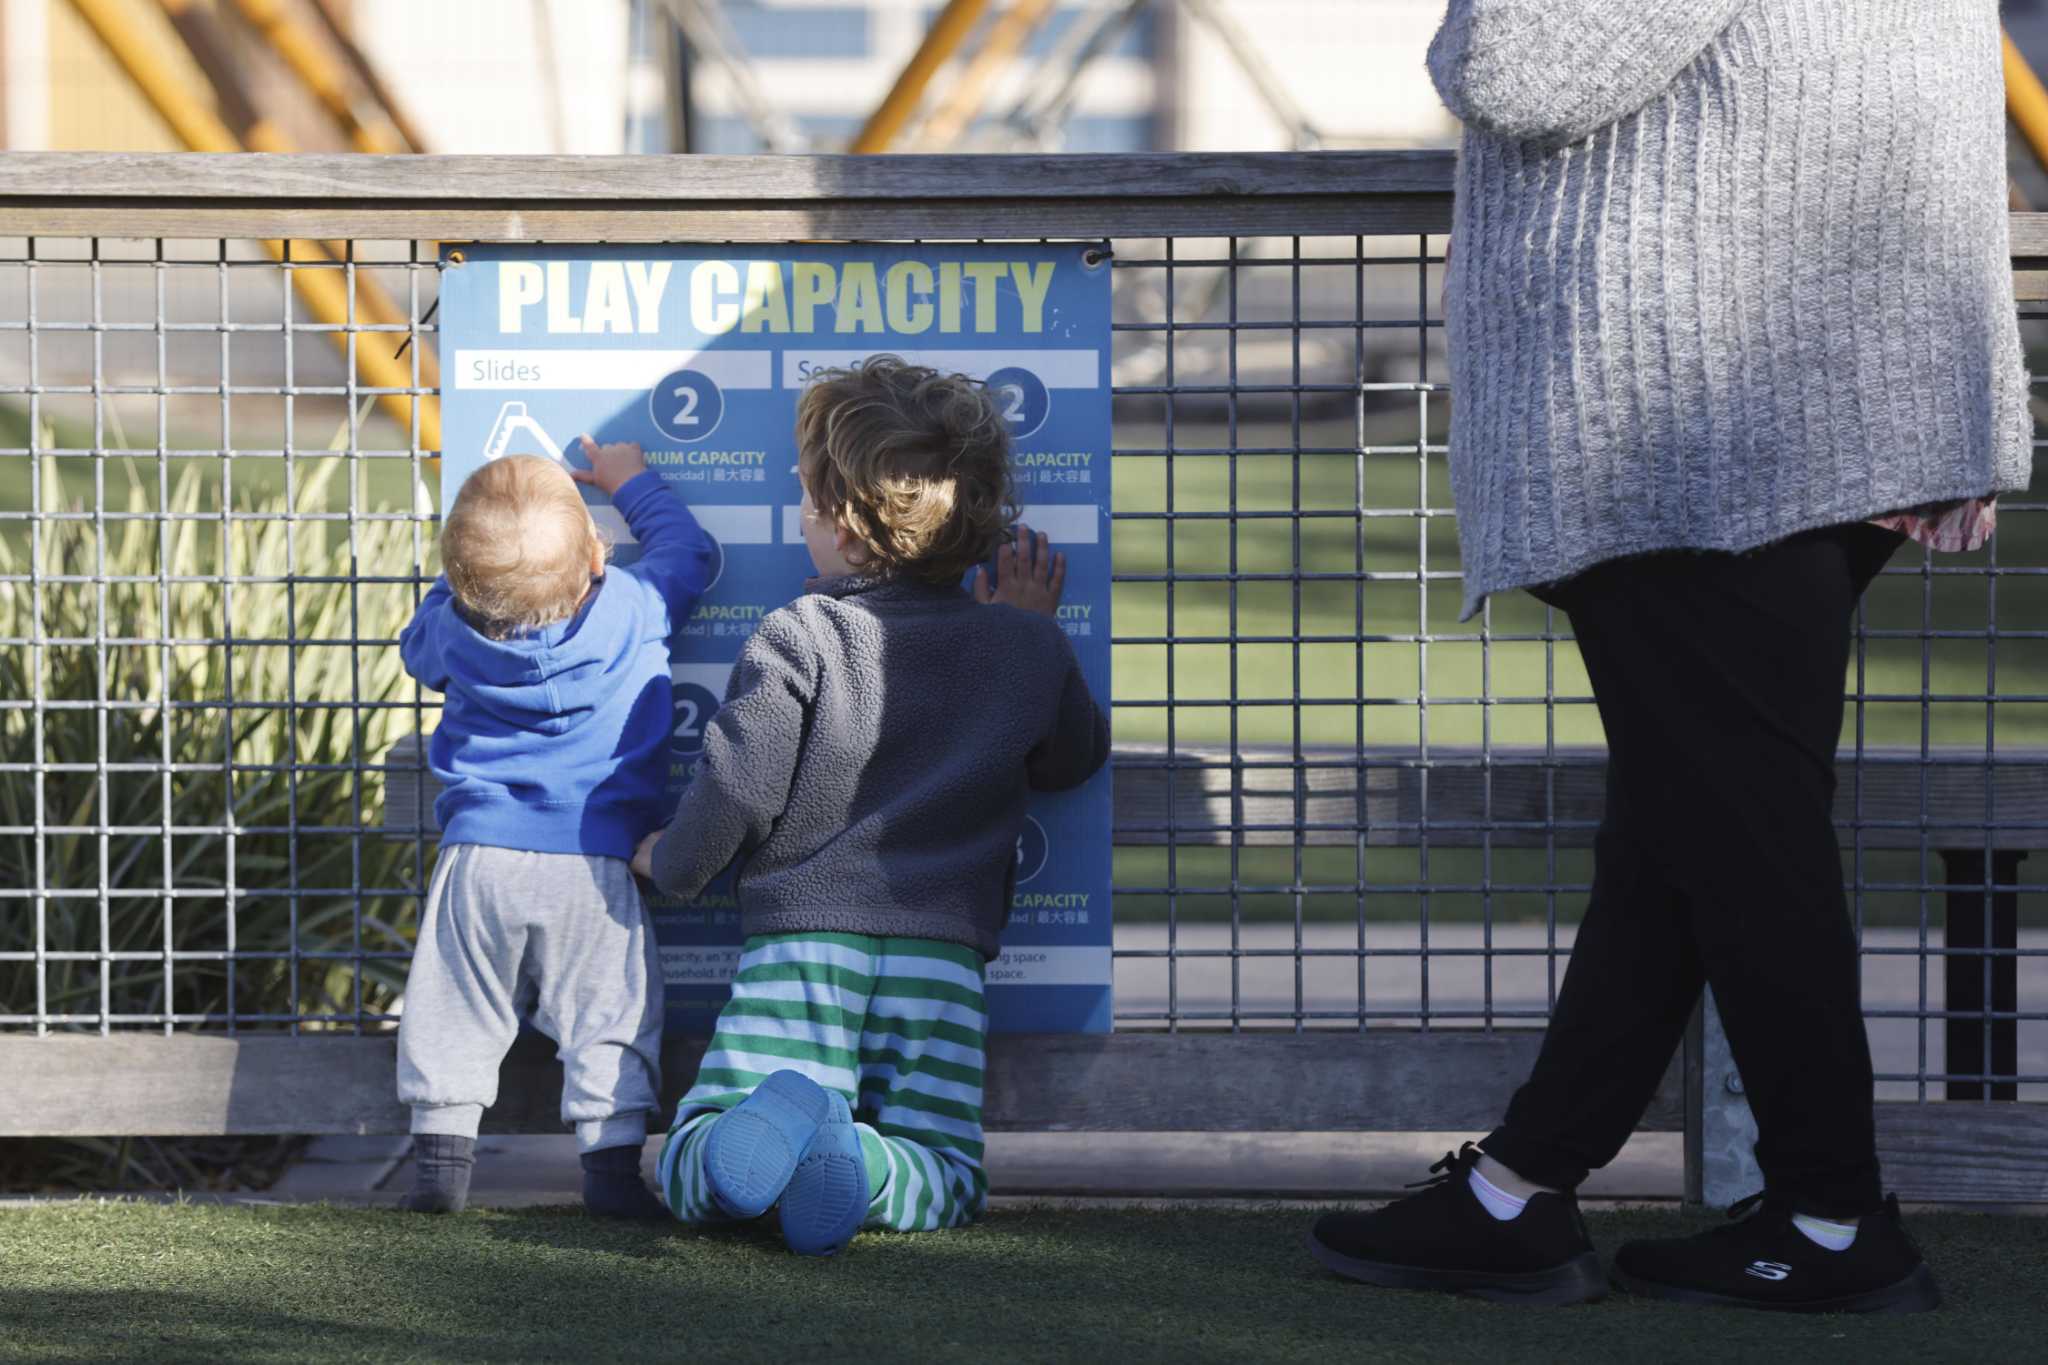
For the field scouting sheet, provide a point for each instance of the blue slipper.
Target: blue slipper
(752, 1150)
(827, 1198)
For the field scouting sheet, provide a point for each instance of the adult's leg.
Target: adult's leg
(1762, 870)
(1633, 975)
(1727, 674)
(1619, 1017)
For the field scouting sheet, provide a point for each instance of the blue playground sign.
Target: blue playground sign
(699, 354)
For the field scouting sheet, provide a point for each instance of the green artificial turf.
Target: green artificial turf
(208, 1283)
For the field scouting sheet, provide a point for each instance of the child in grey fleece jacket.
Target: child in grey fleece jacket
(869, 770)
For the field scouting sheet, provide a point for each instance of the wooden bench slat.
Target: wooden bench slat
(1382, 1080)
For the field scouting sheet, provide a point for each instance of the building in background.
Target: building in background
(609, 76)
(505, 76)
(828, 63)
(1354, 70)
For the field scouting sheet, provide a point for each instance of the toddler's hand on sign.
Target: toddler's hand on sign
(1028, 575)
(612, 466)
(643, 856)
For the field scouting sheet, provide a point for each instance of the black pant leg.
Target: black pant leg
(1620, 1014)
(1760, 866)
(1728, 671)
(1634, 974)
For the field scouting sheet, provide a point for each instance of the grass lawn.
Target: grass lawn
(166, 1283)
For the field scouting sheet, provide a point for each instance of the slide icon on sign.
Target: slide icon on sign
(514, 419)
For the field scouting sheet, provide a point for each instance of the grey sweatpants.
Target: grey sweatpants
(561, 938)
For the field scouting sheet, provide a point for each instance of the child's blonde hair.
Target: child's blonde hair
(518, 546)
(913, 463)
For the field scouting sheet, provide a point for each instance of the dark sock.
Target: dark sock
(442, 1164)
(612, 1187)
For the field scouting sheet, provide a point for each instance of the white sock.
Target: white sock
(1494, 1199)
(1823, 1232)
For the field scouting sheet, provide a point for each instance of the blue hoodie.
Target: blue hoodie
(556, 741)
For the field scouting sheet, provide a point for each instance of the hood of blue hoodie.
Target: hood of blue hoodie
(557, 740)
(547, 681)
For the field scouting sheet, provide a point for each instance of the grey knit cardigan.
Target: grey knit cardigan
(1722, 271)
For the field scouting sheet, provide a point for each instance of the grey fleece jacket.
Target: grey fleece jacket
(870, 763)
(1722, 271)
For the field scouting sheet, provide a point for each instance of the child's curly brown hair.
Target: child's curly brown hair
(913, 463)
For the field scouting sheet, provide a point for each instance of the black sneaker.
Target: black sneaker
(1765, 1262)
(1445, 1239)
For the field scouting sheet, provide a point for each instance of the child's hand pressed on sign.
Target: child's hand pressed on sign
(1028, 575)
(612, 465)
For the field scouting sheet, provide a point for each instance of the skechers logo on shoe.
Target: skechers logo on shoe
(1767, 1270)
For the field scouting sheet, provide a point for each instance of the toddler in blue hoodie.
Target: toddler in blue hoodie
(553, 753)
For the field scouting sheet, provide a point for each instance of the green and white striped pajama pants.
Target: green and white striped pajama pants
(895, 1025)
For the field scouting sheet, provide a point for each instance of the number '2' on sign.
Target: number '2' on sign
(694, 705)
(686, 405)
(1022, 399)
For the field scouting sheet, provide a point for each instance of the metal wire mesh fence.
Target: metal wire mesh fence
(1337, 807)
(201, 607)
